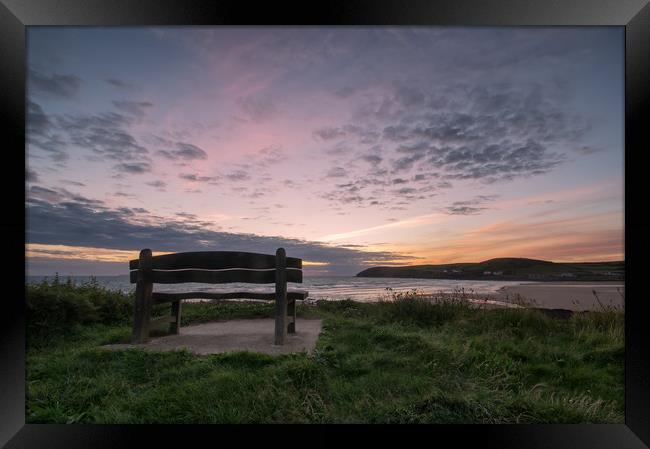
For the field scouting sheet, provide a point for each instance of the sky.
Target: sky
(350, 147)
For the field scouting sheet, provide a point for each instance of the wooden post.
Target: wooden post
(291, 310)
(280, 296)
(175, 324)
(143, 290)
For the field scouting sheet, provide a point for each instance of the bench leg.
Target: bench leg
(280, 296)
(291, 311)
(280, 320)
(142, 312)
(175, 325)
(143, 304)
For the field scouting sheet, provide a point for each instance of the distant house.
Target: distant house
(487, 273)
(456, 271)
(497, 273)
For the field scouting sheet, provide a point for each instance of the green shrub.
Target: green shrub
(55, 308)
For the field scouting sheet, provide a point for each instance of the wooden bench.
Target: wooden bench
(214, 267)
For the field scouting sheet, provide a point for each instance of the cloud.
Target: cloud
(196, 178)
(57, 220)
(112, 144)
(464, 210)
(489, 132)
(45, 194)
(405, 191)
(57, 85)
(271, 155)
(156, 140)
(85, 122)
(238, 175)
(38, 123)
(336, 172)
(135, 168)
(470, 207)
(72, 183)
(405, 163)
(31, 175)
(340, 148)
(329, 133)
(158, 184)
(484, 198)
(184, 151)
(361, 135)
(344, 197)
(373, 159)
(131, 211)
(41, 133)
(105, 135)
(115, 82)
(54, 147)
(439, 123)
(39, 193)
(135, 108)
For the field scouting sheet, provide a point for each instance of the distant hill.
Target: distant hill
(507, 268)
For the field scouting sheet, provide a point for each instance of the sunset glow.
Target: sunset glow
(348, 146)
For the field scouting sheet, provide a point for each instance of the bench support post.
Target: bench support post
(291, 310)
(280, 296)
(175, 324)
(143, 303)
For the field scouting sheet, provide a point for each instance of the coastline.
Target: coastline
(567, 295)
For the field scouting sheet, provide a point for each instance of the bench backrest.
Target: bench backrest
(215, 267)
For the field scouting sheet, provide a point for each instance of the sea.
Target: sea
(319, 287)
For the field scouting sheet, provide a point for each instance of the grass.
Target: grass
(406, 360)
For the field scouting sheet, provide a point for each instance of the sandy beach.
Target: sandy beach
(566, 295)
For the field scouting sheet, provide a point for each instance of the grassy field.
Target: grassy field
(404, 361)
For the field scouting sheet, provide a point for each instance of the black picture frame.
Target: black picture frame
(634, 15)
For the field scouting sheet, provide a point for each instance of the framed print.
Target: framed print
(360, 212)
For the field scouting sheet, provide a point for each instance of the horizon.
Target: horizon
(310, 275)
(351, 147)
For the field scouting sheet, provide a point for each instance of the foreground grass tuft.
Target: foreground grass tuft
(400, 361)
